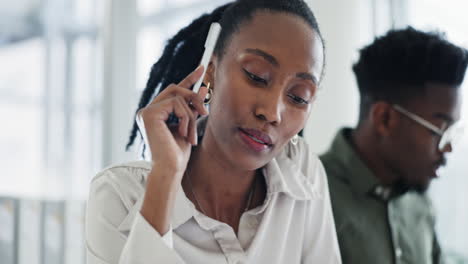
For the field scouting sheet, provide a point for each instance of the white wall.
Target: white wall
(346, 27)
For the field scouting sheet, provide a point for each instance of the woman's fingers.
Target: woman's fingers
(196, 100)
(187, 120)
(181, 112)
(199, 102)
(192, 126)
(184, 103)
(192, 78)
(202, 93)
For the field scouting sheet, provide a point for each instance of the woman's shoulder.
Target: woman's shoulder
(125, 181)
(124, 173)
(114, 200)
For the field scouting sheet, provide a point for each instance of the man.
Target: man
(378, 172)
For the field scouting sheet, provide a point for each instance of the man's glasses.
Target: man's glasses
(448, 136)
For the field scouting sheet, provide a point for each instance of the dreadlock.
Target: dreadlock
(183, 51)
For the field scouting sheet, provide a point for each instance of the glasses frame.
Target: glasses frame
(423, 122)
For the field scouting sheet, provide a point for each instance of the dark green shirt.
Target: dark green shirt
(373, 225)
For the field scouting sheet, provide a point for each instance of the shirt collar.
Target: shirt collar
(361, 178)
(283, 174)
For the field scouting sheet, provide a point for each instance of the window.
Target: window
(21, 112)
(49, 89)
(50, 109)
(161, 20)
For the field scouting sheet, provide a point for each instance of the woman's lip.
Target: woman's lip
(251, 142)
(258, 135)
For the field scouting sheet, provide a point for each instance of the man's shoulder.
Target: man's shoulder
(336, 173)
(342, 196)
(334, 158)
(332, 165)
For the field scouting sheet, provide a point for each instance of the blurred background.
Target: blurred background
(71, 72)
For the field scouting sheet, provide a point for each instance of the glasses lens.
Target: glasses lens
(452, 136)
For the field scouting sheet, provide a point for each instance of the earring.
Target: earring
(295, 139)
(209, 95)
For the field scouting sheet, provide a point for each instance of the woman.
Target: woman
(243, 188)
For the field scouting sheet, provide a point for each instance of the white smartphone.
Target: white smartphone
(210, 43)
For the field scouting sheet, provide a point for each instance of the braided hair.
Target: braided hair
(183, 52)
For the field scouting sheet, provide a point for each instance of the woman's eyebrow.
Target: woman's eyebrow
(272, 60)
(268, 57)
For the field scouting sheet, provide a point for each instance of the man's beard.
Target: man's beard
(401, 186)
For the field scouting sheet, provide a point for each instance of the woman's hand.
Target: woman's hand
(170, 146)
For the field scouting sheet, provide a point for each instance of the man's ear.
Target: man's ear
(384, 118)
(210, 72)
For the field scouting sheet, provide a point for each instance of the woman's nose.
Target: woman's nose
(270, 108)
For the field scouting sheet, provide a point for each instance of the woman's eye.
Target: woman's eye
(255, 78)
(297, 99)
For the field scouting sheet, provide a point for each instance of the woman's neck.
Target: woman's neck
(214, 174)
(217, 187)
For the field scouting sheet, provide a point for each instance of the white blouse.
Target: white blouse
(294, 225)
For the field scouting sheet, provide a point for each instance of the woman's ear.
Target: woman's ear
(210, 71)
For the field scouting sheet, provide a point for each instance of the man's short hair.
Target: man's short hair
(396, 66)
